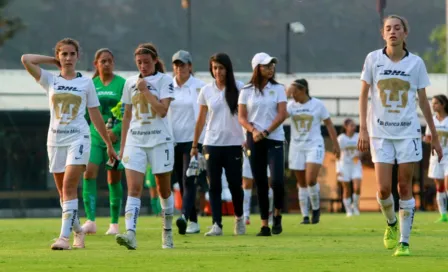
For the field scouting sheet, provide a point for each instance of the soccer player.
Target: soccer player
(147, 139)
(439, 171)
(307, 148)
(223, 140)
(109, 88)
(391, 127)
(182, 115)
(68, 134)
(261, 111)
(349, 167)
(150, 183)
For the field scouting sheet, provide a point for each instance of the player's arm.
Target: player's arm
(334, 136)
(98, 122)
(426, 110)
(200, 122)
(363, 141)
(31, 63)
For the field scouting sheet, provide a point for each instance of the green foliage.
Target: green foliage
(9, 26)
(435, 58)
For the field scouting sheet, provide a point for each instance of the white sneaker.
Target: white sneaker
(89, 227)
(61, 244)
(240, 226)
(127, 239)
(113, 229)
(78, 241)
(193, 228)
(355, 211)
(167, 239)
(214, 231)
(349, 214)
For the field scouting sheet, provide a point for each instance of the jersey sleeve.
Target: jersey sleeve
(242, 98)
(239, 84)
(92, 98)
(281, 97)
(289, 108)
(201, 97)
(366, 74)
(167, 89)
(423, 78)
(46, 78)
(126, 98)
(324, 114)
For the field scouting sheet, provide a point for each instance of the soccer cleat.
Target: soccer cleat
(61, 244)
(264, 231)
(214, 231)
(193, 228)
(181, 224)
(89, 227)
(240, 226)
(127, 239)
(355, 211)
(391, 236)
(167, 239)
(271, 220)
(402, 250)
(443, 218)
(277, 226)
(78, 241)
(247, 218)
(306, 220)
(113, 229)
(316, 217)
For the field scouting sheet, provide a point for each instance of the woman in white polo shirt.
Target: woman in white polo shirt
(306, 148)
(223, 140)
(261, 111)
(182, 115)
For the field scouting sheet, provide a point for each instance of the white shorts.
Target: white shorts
(349, 172)
(160, 157)
(299, 158)
(403, 150)
(61, 156)
(437, 170)
(247, 171)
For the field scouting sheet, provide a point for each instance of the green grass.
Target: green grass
(336, 244)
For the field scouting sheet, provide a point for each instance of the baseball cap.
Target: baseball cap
(263, 59)
(182, 56)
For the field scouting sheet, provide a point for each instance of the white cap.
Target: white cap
(263, 59)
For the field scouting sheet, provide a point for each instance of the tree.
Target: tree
(436, 57)
(8, 26)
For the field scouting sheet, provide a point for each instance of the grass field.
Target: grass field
(336, 244)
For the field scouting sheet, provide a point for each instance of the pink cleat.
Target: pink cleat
(61, 244)
(113, 229)
(89, 227)
(78, 241)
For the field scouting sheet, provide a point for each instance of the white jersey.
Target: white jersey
(147, 128)
(305, 123)
(223, 128)
(393, 88)
(68, 100)
(442, 132)
(262, 107)
(184, 109)
(349, 149)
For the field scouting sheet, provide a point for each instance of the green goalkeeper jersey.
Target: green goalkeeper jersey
(109, 97)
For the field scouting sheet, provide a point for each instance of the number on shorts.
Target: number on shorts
(81, 147)
(415, 145)
(167, 154)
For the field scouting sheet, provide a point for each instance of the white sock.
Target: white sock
(271, 200)
(314, 196)
(407, 210)
(132, 211)
(347, 205)
(355, 198)
(441, 202)
(246, 202)
(387, 208)
(303, 201)
(69, 215)
(167, 211)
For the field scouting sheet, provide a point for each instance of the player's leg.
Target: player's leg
(115, 199)
(214, 165)
(356, 195)
(436, 172)
(247, 188)
(277, 184)
(311, 173)
(150, 183)
(303, 195)
(347, 197)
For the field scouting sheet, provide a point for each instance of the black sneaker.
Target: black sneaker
(306, 220)
(316, 216)
(265, 231)
(181, 224)
(277, 226)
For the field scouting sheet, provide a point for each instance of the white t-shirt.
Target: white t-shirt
(223, 128)
(442, 131)
(184, 110)
(147, 128)
(68, 100)
(305, 123)
(349, 149)
(393, 88)
(262, 108)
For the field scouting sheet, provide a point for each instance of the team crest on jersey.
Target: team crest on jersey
(198, 90)
(66, 107)
(302, 123)
(394, 94)
(271, 92)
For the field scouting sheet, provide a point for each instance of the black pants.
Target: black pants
(187, 184)
(229, 158)
(263, 153)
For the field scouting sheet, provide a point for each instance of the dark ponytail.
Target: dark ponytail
(231, 92)
(302, 84)
(150, 49)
